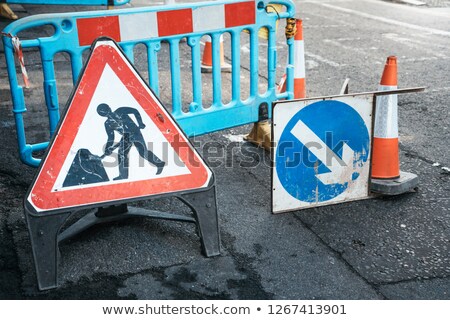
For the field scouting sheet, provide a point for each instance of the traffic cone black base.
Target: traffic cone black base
(391, 187)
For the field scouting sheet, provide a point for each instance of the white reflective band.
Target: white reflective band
(299, 59)
(208, 18)
(131, 26)
(208, 39)
(386, 118)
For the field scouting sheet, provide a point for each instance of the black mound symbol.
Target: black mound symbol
(86, 168)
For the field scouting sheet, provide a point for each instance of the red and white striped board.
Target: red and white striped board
(145, 25)
(109, 78)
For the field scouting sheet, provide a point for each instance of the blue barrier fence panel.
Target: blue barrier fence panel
(152, 27)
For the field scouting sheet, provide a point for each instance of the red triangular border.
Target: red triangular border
(42, 198)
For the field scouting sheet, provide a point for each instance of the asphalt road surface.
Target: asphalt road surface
(383, 248)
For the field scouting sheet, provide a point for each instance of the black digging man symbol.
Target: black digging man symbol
(88, 168)
(120, 121)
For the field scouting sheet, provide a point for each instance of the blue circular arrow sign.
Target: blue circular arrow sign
(321, 151)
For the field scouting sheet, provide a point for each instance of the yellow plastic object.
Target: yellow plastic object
(261, 135)
(5, 11)
(263, 33)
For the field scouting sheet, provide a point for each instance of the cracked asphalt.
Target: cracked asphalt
(383, 248)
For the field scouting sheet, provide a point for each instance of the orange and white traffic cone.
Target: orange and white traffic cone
(207, 58)
(282, 85)
(385, 160)
(299, 62)
(386, 175)
(299, 65)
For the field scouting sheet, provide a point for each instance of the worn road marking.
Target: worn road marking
(343, 46)
(415, 44)
(322, 59)
(386, 20)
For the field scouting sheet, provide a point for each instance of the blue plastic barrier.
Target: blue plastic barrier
(71, 2)
(74, 32)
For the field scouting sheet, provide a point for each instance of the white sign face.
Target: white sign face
(323, 151)
(96, 139)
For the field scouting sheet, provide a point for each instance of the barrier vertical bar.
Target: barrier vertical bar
(50, 93)
(175, 76)
(254, 63)
(76, 61)
(152, 56)
(290, 69)
(24, 149)
(272, 59)
(194, 43)
(217, 74)
(128, 49)
(236, 65)
(19, 106)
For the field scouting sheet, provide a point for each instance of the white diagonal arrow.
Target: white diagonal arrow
(339, 172)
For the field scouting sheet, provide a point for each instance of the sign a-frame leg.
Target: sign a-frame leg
(203, 204)
(45, 235)
(44, 231)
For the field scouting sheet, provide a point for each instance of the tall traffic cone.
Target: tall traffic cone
(385, 160)
(207, 58)
(386, 175)
(299, 64)
(281, 87)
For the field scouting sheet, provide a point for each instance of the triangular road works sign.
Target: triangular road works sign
(116, 142)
